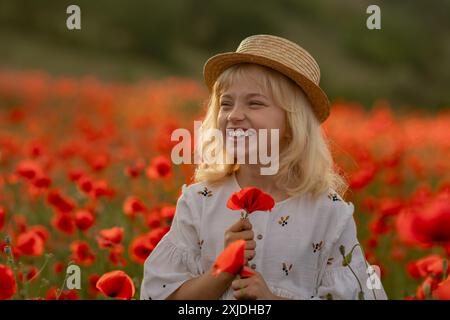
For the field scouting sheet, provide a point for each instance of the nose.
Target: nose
(236, 114)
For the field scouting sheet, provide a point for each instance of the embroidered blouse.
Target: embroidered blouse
(297, 246)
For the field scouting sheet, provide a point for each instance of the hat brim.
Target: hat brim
(215, 65)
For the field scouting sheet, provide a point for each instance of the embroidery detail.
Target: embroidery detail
(206, 192)
(200, 243)
(286, 269)
(283, 221)
(334, 197)
(330, 261)
(317, 246)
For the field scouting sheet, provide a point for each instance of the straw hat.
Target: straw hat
(280, 54)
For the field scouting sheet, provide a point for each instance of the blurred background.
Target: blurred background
(405, 62)
(86, 117)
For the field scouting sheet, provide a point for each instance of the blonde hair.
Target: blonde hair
(306, 164)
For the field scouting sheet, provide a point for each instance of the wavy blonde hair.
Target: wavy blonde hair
(306, 164)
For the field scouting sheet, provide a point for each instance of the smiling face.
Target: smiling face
(246, 106)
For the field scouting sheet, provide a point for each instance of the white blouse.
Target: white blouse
(297, 246)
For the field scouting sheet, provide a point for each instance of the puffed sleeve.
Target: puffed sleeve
(176, 258)
(341, 282)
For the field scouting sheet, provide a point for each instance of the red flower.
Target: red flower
(159, 168)
(232, 260)
(250, 199)
(363, 176)
(65, 295)
(442, 292)
(429, 282)
(140, 248)
(28, 169)
(428, 224)
(64, 223)
(135, 170)
(157, 234)
(2, 217)
(429, 265)
(116, 284)
(29, 243)
(116, 255)
(110, 237)
(63, 204)
(81, 253)
(7, 283)
(93, 278)
(132, 206)
(84, 219)
(101, 188)
(58, 267)
(168, 212)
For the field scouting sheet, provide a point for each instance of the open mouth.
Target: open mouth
(238, 133)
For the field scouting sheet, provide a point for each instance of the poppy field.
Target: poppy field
(86, 179)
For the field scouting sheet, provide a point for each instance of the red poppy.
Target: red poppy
(93, 278)
(52, 294)
(157, 234)
(85, 184)
(75, 174)
(140, 248)
(363, 176)
(232, 260)
(63, 222)
(31, 274)
(426, 225)
(168, 212)
(251, 199)
(41, 231)
(29, 243)
(135, 170)
(116, 284)
(63, 204)
(28, 169)
(132, 206)
(102, 189)
(116, 255)
(431, 265)
(2, 217)
(82, 253)
(429, 282)
(160, 167)
(7, 283)
(110, 237)
(84, 219)
(58, 267)
(442, 292)
(153, 219)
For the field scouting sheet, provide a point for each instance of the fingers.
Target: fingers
(240, 283)
(244, 235)
(249, 255)
(250, 244)
(241, 224)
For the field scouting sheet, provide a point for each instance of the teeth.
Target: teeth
(240, 133)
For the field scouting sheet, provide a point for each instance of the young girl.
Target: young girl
(297, 250)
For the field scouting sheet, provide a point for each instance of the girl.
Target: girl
(299, 250)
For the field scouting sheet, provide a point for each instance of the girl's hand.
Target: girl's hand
(252, 288)
(242, 229)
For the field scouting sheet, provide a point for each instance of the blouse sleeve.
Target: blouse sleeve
(176, 258)
(341, 282)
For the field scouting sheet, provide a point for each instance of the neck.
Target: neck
(250, 176)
